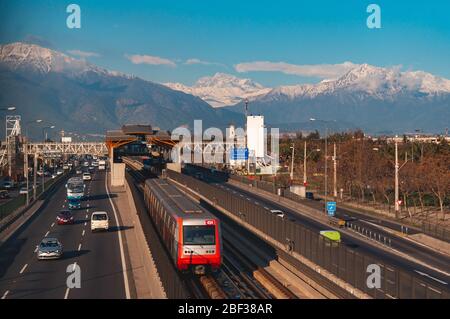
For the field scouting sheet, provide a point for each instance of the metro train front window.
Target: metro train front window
(199, 235)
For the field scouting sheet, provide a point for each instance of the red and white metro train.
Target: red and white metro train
(191, 234)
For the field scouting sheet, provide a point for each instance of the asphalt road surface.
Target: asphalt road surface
(430, 257)
(97, 254)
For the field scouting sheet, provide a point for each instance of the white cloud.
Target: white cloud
(148, 59)
(324, 71)
(83, 54)
(198, 61)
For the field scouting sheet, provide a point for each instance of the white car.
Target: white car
(87, 177)
(23, 190)
(99, 220)
(277, 212)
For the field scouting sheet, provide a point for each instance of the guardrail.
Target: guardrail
(346, 263)
(16, 207)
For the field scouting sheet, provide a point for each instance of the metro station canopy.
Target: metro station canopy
(137, 132)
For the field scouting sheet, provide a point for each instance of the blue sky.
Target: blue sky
(224, 34)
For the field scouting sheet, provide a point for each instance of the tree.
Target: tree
(438, 177)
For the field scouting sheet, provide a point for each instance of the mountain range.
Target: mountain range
(375, 99)
(80, 97)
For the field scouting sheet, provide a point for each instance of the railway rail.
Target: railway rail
(238, 278)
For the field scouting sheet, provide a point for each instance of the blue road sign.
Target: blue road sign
(331, 208)
(239, 153)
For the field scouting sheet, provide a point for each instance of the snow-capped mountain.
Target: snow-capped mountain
(373, 98)
(80, 97)
(222, 89)
(366, 80)
(31, 57)
(363, 81)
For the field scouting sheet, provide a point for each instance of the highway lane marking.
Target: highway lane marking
(87, 215)
(82, 234)
(66, 295)
(46, 234)
(122, 255)
(36, 249)
(5, 294)
(53, 224)
(427, 275)
(79, 247)
(85, 223)
(23, 268)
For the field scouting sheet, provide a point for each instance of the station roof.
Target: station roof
(133, 132)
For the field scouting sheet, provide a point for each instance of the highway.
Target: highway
(375, 225)
(439, 265)
(400, 243)
(439, 261)
(97, 254)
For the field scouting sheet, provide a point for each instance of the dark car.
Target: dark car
(65, 217)
(4, 194)
(310, 195)
(74, 204)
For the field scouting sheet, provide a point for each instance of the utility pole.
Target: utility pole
(43, 175)
(25, 169)
(292, 162)
(246, 136)
(335, 173)
(304, 166)
(397, 208)
(34, 175)
(8, 141)
(326, 169)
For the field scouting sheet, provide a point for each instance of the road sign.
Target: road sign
(239, 154)
(331, 208)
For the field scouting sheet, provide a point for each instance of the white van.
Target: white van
(99, 220)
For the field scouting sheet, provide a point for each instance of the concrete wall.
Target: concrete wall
(174, 167)
(118, 174)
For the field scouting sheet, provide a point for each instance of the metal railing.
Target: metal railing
(436, 230)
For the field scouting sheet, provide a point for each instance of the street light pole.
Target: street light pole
(397, 208)
(43, 155)
(292, 162)
(326, 169)
(25, 170)
(34, 175)
(304, 166)
(335, 173)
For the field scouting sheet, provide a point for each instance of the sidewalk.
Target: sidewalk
(145, 275)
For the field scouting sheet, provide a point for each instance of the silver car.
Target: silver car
(49, 248)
